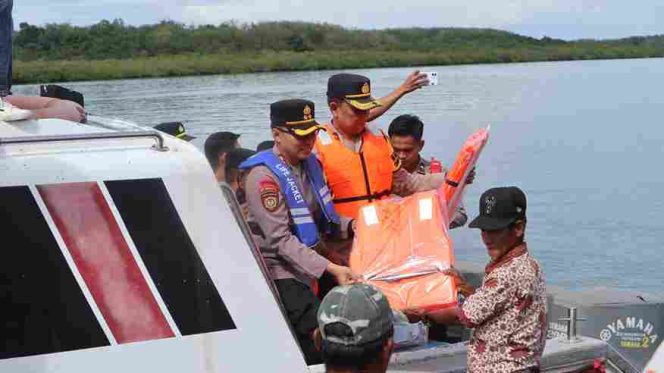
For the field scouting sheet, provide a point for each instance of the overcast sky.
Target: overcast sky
(565, 19)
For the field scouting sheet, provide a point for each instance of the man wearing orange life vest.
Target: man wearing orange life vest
(358, 160)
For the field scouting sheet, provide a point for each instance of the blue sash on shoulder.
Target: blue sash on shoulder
(305, 226)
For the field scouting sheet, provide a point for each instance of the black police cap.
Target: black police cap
(352, 88)
(175, 129)
(296, 115)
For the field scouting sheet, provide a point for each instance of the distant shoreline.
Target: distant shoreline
(113, 50)
(26, 72)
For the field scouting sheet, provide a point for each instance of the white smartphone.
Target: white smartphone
(433, 77)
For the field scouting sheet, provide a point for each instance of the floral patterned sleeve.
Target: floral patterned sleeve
(487, 301)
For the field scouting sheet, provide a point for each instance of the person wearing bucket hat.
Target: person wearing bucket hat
(508, 312)
(290, 212)
(355, 329)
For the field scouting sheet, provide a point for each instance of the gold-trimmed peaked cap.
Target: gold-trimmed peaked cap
(175, 129)
(297, 115)
(352, 88)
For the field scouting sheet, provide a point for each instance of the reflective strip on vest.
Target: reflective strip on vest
(305, 227)
(426, 209)
(370, 215)
(299, 211)
(303, 220)
(324, 196)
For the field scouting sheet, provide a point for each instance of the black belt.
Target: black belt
(369, 197)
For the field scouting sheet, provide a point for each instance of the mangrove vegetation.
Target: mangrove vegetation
(114, 50)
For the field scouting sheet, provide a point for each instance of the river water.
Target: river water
(582, 139)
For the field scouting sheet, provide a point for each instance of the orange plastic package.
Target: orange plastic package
(464, 163)
(402, 246)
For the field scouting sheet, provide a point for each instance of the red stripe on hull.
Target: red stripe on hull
(105, 261)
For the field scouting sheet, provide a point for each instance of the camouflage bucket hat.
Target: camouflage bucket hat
(360, 307)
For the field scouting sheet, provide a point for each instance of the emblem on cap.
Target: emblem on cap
(307, 112)
(180, 129)
(490, 202)
(365, 88)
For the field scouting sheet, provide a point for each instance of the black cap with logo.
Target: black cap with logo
(352, 88)
(294, 115)
(175, 129)
(500, 207)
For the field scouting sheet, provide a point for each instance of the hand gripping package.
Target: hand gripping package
(402, 245)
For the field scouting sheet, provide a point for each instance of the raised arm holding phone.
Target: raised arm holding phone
(415, 80)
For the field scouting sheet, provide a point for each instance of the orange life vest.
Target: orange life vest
(355, 178)
(401, 246)
(455, 182)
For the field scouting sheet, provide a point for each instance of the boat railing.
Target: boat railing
(159, 146)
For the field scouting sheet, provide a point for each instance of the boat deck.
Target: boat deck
(559, 356)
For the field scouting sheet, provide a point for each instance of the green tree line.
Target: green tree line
(112, 49)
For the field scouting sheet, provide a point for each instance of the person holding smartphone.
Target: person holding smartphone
(358, 159)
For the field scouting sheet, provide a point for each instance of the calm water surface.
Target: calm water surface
(583, 139)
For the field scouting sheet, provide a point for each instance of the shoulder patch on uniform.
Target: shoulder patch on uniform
(269, 192)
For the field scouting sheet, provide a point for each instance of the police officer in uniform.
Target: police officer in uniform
(406, 133)
(358, 159)
(290, 211)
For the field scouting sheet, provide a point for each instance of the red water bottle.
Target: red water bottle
(435, 166)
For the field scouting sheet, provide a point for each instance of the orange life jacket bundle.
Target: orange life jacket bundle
(402, 246)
